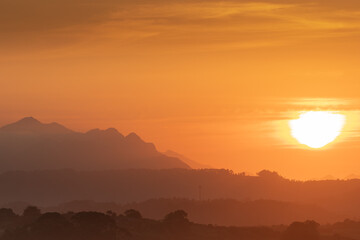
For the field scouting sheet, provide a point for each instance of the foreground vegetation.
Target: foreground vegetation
(33, 225)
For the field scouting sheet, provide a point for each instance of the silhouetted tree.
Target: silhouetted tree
(69, 215)
(31, 212)
(111, 214)
(6, 213)
(94, 225)
(177, 222)
(7, 216)
(178, 217)
(131, 213)
(302, 231)
(266, 174)
(51, 226)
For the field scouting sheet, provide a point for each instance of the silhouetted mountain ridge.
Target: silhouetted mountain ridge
(190, 162)
(30, 125)
(29, 144)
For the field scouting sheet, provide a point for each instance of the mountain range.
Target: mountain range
(193, 164)
(29, 144)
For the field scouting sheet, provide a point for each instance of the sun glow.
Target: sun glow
(316, 129)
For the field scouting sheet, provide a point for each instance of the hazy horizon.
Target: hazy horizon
(274, 134)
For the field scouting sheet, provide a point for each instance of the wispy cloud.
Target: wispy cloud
(222, 25)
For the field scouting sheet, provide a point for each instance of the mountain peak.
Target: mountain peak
(112, 132)
(32, 125)
(133, 137)
(28, 120)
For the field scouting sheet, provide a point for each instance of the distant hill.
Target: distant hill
(353, 176)
(49, 188)
(227, 212)
(193, 164)
(29, 144)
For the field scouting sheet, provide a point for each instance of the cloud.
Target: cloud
(218, 24)
(42, 15)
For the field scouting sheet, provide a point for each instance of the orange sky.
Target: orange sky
(213, 80)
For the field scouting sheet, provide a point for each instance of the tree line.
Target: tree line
(91, 225)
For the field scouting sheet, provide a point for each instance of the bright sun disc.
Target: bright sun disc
(316, 129)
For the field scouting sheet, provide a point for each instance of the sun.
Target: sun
(316, 129)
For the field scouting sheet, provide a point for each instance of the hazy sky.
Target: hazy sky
(214, 80)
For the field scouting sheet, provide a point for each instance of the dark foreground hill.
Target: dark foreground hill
(224, 212)
(131, 225)
(49, 188)
(31, 145)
